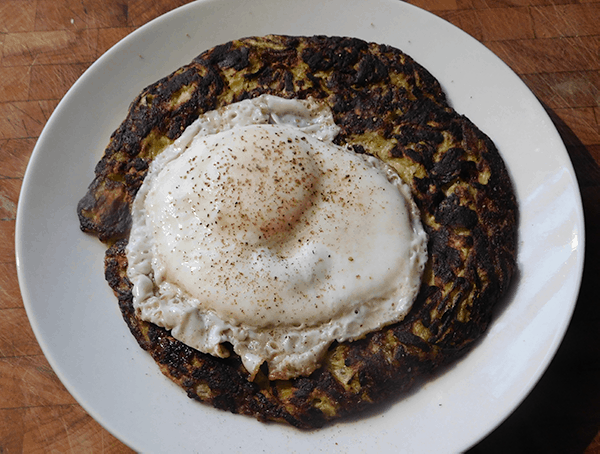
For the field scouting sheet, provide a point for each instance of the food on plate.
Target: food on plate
(299, 227)
(240, 235)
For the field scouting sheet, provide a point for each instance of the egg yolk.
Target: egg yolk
(264, 226)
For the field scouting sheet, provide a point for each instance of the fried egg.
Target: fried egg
(254, 231)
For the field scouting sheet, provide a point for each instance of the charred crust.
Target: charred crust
(457, 176)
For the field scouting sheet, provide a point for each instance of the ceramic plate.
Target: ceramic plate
(75, 315)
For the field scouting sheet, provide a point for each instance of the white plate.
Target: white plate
(75, 316)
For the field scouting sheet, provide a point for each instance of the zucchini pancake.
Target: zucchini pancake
(386, 108)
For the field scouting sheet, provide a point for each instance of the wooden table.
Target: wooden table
(45, 45)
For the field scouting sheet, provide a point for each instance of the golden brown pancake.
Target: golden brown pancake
(386, 105)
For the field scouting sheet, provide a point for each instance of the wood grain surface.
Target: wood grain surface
(553, 45)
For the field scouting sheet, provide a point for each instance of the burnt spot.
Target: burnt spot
(411, 133)
(105, 210)
(407, 338)
(336, 54)
(140, 165)
(371, 70)
(288, 81)
(444, 258)
(451, 214)
(236, 59)
(359, 149)
(452, 165)
(304, 387)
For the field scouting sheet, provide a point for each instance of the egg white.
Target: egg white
(254, 229)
